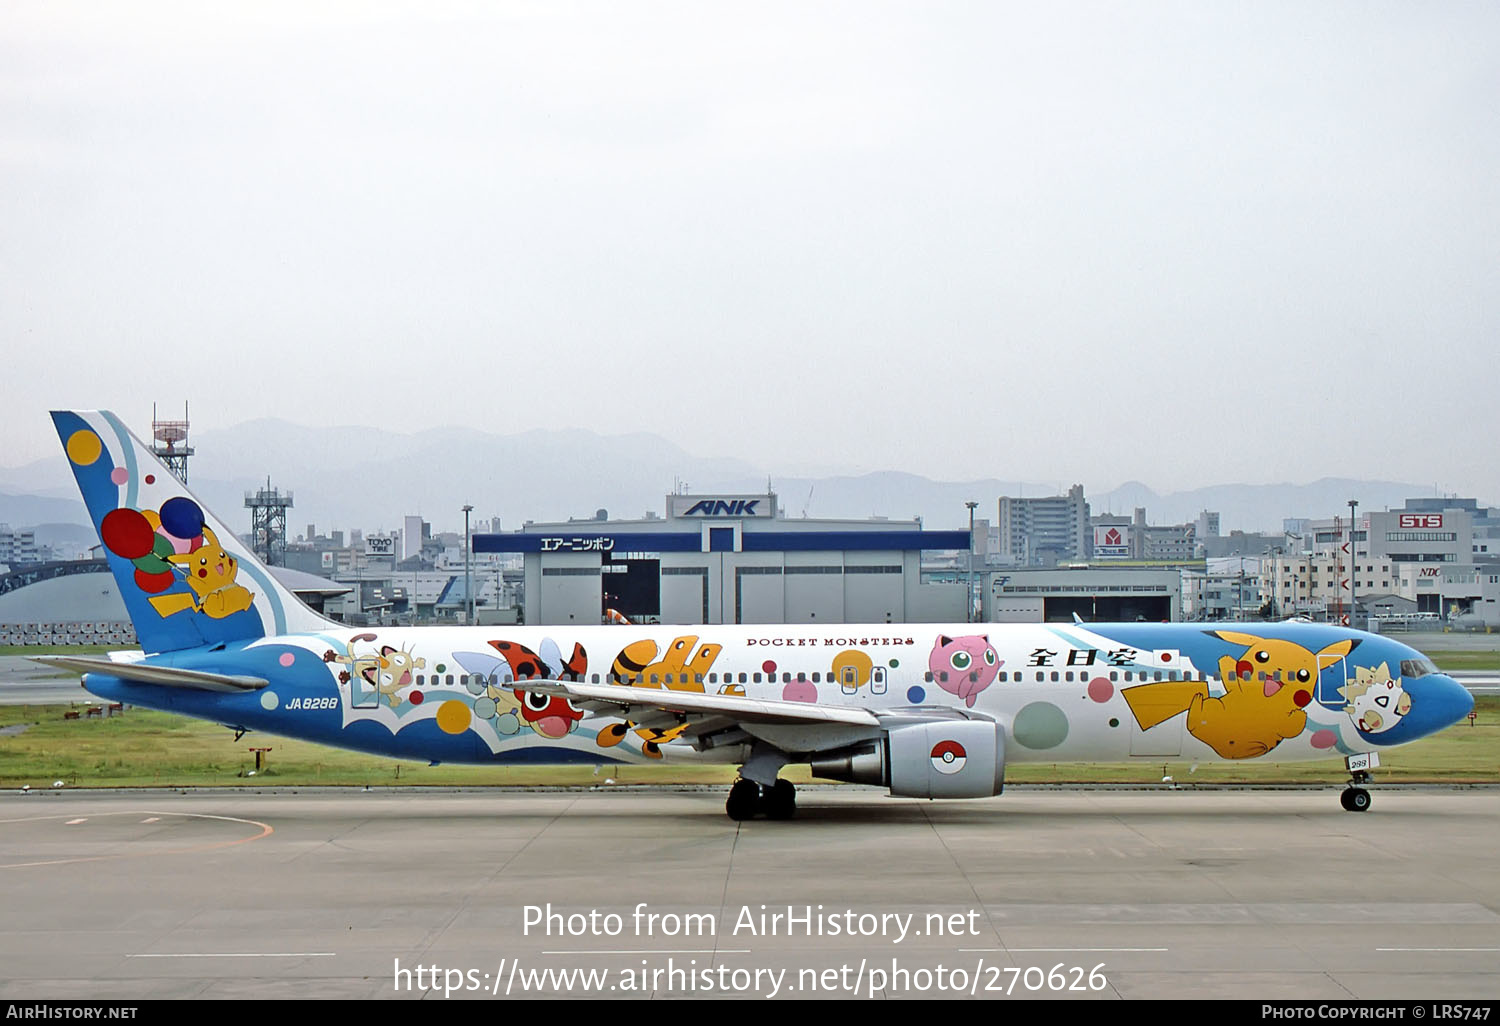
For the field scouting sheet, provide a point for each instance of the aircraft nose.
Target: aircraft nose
(1453, 700)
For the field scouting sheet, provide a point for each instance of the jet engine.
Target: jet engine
(927, 759)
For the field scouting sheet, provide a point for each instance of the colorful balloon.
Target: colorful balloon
(154, 583)
(181, 517)
(153, 564)
(126, 533)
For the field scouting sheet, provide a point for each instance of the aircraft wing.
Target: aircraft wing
(709, 721)
(168, 676)
(634, 702)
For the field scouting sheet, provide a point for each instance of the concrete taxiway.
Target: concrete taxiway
(23, 682)
(1067, 894)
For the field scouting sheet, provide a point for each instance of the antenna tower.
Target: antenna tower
(268, 508)
(169, 442)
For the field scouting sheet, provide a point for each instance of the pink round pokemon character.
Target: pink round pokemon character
(964, 666)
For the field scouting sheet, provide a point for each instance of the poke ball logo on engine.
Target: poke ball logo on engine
(949, 757)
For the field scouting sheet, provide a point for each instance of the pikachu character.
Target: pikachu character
(210, 572)
(1266, 689)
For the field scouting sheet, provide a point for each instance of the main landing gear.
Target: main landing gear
(747, 799)
(1355, 798)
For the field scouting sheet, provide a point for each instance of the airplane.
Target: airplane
(922, 710)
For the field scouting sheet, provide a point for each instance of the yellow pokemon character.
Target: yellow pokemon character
(1266, 688)
(210, 572)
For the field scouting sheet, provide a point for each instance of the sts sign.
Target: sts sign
(1421, 521)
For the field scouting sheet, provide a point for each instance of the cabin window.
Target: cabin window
(449, 680)
(697, 678)
(596, 678)
(713, 678)
(743, 676)
(654, 680)
(1054, 676)
(421, 677)
(928, 677)
(757, 678)
(1114, 675)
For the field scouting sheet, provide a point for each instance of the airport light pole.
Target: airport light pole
(1353, 564)
(969, 585)
(468, 577)
(1239, 593)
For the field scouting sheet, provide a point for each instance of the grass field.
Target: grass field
(1466, 660)
(143, 748)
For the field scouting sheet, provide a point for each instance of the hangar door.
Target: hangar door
(631, 586)
(1107, 608)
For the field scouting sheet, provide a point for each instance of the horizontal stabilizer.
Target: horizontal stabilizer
(144, 673)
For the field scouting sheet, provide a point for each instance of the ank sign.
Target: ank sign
(700, 507)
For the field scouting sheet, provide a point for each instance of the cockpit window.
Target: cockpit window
(1417, 668)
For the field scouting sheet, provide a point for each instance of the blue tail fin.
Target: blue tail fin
(185, 578)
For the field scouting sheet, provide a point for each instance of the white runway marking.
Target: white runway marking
(75, 822)
(239, 954)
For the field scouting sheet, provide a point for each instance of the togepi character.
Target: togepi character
(1377, 701)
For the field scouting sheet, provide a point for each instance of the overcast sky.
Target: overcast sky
(1182, 243)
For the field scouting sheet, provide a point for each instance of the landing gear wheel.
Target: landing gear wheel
(744, 800)
(780, 800)
(1355, 799)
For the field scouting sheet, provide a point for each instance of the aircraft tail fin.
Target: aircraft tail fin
(186, 579)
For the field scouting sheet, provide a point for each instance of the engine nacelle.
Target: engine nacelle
(929, 759)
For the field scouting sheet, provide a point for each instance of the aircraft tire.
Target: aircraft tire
(1355, 799)
(780, 800)
(744, 800)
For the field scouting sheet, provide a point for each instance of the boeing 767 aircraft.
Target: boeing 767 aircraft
(925, 710)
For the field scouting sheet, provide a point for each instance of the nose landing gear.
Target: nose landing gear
(1355, 798)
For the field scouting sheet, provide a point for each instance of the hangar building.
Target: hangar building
(730, 559)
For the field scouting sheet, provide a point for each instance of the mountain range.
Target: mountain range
(372, 478)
